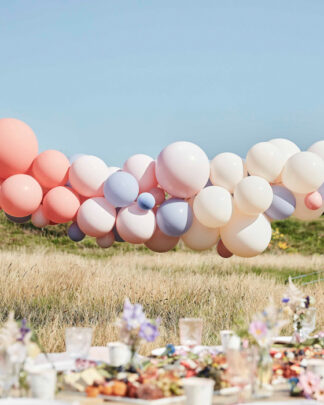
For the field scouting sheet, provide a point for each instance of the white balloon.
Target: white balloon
(213, 206)
(106, 241)
(318, 148)
(265, 159)
(304, 213)
(287, 147)
(199, 237)
(246, 235)
(303, 172)
(142, 167)
(87, 175)
(96, 217)
(226, 170)
(38, 218)
(253, 195)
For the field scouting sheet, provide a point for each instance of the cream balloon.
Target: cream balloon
(246, 235)
(304, 213)
(106, 241)
(253, 195)
(160, 242)
(213, 206)
(199, 237)
(265, 159)
(39, 219)
(318, 148)
(142, 167)
(226, 170)
(303, 172)
(287, 147)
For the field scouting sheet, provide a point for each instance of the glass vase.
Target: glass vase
(262, 387)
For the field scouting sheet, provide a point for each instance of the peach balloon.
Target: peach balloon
(18, 147)
(142, 167)
(158, 194)
(160, 242)
(61, 205)
(51, 169)
(223, 251)
(314, 200)
(199, 237)
(39, 219)
(20, 195)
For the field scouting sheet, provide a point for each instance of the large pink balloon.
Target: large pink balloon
(20, 195)
(160, 242)
(61, 205)
(313, 200)
(51, 169)
(18, 147)
(182, 169)
(142, 167)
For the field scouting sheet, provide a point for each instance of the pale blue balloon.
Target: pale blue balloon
(76, 156)
(146, 201)
(283, 204)
(18, 220)
(121, 189)
(321, 191)
(75, 233)
(174, 217)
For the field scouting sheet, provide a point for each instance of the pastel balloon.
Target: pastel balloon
(142, 167)
(75, 233)
(18, 147)
(160, 242)
(20, 195)
(287, 147)
(146, 201)
(135, 225)
(174, 217)
(18, 220)
(87, 175)
(106, 241)
(61, 205)
(226, 170)
(253, 195)
(39, 218)
(75, 157)
(182, 169)
(265, 159)
(213, 206)
(303, 172)
(121, 189)
(318, 148)
(314, 200)
(51, 169)
(158, 194)
(304, 213)
(246, 235)
(96, 217)
(321, 190)
(283, 203)
(199, 237)
(118, 238)
(223, 251)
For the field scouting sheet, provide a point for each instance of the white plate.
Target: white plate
(196, 349)
(162, 401)
(31, 401)
(296, 402)
(282, 339)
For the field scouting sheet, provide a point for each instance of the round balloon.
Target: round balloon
(146, 201)
(87, 175)
(283, 203)
(303, 172)
(321, 190)
(51, 169)
(226, 170)
(74, 157)
(39, 218)
(75, 233)
(158, 195)
(223, 251)
(287, 147)
(265, 159)
(174, 217)
(96, 217)
(118, 238)
(160, 242)
(253, 195)
(304, 213)
(142, 167)
(213, 206)
(246, 235)
(182, 169)
(318, 148)
(18, 220)
(313, 200)
(135, 225)
(18, 149)
(20, 195)
(199, 237)
(61, 205)
(121, 189)
(106, 241)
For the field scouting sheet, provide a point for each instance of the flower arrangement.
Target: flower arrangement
(308, 385)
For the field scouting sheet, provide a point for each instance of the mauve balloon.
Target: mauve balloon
(75, 233)
(283, 204)
(18, 220)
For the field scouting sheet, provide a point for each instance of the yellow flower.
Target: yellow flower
(282, 245)
(33, 350)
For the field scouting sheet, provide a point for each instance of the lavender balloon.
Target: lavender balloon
(283, 204)
(75, 233)
(174, 217)
(121, 189)
(321, 191)
(18, 220)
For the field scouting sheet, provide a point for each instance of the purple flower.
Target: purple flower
(285, 300)
(149, 331)
(133, 315)
(24, 330)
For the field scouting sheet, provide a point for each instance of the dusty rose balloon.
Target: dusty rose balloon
(51, 169)
(223, 251)
(106, 241)
(18, 147)
(314, 200)
(160, 242)
(303, 212)
(158, 194)
(182, 169)
(20, 195)
(39, 219)
(142, 167)
(61, 204)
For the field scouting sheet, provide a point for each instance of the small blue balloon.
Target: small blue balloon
(18, 220)
(75, 233)
(146, 201)
(174, 217)
(283, 204)
(121, 189)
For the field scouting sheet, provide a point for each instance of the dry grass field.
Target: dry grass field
(54, 290)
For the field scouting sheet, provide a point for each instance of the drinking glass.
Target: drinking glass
(226, 336)
(240, 369)
(78, 342)
(8, 374)
(190, 331)
(308, 323)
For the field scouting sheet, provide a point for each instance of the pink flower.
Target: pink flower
(319, 395)
(258, 330)
(309, 383)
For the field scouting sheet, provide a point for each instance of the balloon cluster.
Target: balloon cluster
(227, 202)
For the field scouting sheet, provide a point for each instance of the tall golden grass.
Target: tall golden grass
(55, 290)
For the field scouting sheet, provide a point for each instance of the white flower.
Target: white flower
(9, 333)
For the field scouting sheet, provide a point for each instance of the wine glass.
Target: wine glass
(308, 323)
(239, 369)
(78, 342)
(190, 331)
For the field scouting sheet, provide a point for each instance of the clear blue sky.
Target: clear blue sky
(118, 77)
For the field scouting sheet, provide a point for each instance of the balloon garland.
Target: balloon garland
(227, 202)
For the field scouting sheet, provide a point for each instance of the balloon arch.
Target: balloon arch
(228, 201)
